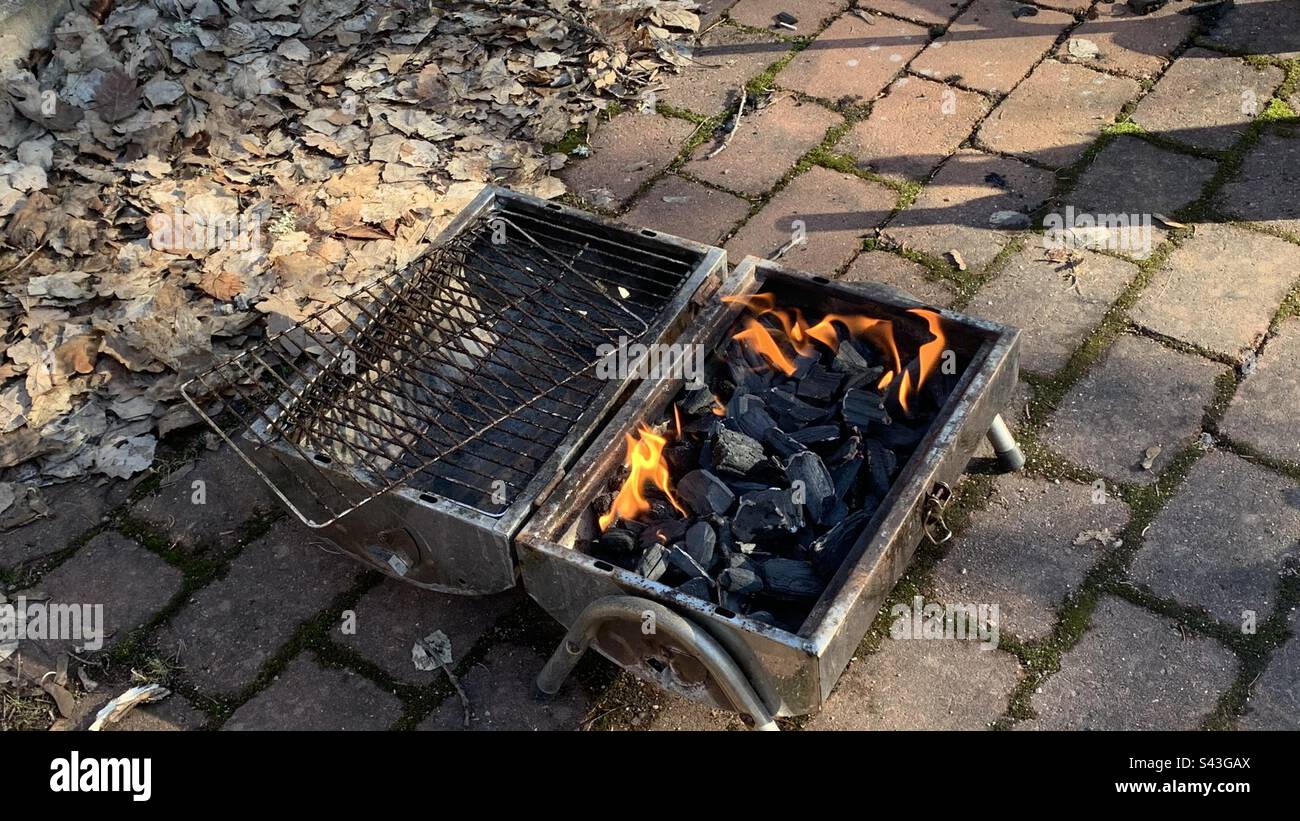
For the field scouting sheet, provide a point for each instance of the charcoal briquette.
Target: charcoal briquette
(696, 402)
(735, 453)
(812, 481)
(704, 494)
(697, 587)
(816, 435)
(740, 580)
(829, 550)
(819, 384)
(764, 512)
(755, 423)
(792, 412)
(700, 544)
(678, 557)
(861, 407)
(781, 443)
(791, 579)
(664, 531)
(654, 562)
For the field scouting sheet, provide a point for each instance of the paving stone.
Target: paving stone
(232, 494)
(726, 59)
(1241, 275)
(1034, 294)
(307, 696)
(1133, 670)
(837, 211)
(901, 273)
(926, 11)
(74, 508)
(913, 128)
(1207, 100)
(172, 714)
(1020, 553)
(705, 216)
(1057, 113)
(766, 145)
(1140, 395)
(1262, 413)
(394, 615)
(711, 10)
(811, 13)
(988, 49)
(626, 151)
(111, 572)
(501, 697)
(236, 624)
(853, 59)
(1128, 182)
(922, 685)
(1221, 541)
(954, 210)
(1264, 190)
(1137, 45)
(1274, 702)
(1260, 27)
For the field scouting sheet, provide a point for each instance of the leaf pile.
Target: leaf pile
(187, 174)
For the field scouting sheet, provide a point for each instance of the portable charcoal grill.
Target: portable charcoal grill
(444, 419)
(709, 653)
(418, 421)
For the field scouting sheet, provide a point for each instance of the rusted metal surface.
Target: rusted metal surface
(792, 673)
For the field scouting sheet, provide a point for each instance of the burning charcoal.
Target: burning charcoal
(705, 494)
(697, 402)
(807, 472)
(617, 540)
(830, 549)
(791, 579)
(781, 443)
(735, 453)
(820, 385)
(862, 407)
(855, 367)
(803, 365)
(762, 512)
(851, 448)
(699, 588)
(700, 543)
(816, 435)
(741, 577)
(755, 423)
(681, 457)
(740, 486)
(791, 412)
(654, 562)
(663, 532)
(683, 561)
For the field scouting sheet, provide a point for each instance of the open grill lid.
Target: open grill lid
(457, 377)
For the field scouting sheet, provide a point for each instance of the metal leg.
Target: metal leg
(703, 647)
(1004, 445)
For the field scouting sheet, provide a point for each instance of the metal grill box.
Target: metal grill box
(418, 422)
(791, 673)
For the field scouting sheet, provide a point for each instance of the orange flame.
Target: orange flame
(757, 337)
(719, 409)
(800, 337)
(927, 357)
(646, 462)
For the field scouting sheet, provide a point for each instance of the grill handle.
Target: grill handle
(704, 648)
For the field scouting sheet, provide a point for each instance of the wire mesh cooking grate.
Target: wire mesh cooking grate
(457, 377)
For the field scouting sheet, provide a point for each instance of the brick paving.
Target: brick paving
(263, 628)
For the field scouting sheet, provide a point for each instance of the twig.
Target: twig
(735, 123)
(460, 691)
